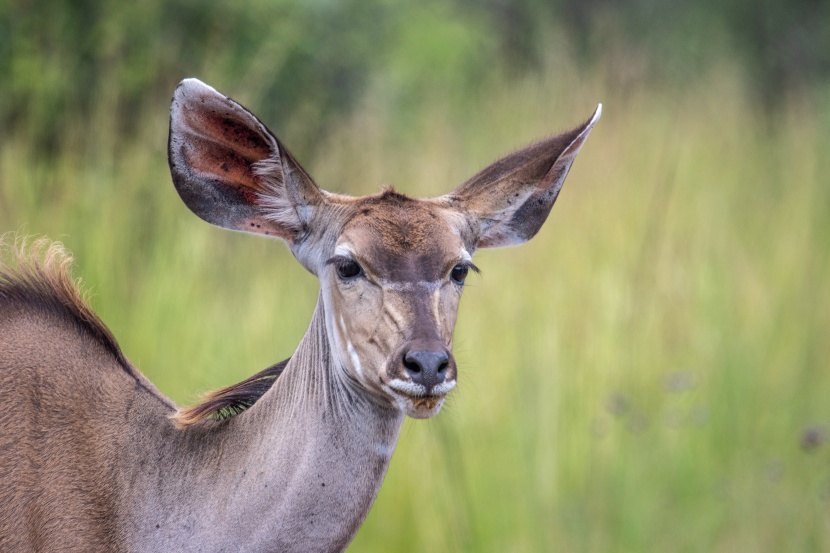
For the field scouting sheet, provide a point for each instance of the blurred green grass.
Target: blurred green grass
(639, 377)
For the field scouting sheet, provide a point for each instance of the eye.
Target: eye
(347, 269)
(459, 273)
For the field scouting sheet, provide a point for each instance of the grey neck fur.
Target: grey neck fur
(310, 455)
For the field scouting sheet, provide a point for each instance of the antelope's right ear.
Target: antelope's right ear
(231, 171)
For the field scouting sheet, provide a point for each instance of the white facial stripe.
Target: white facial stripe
(436, 311)
(338, 332)
(394, 314)
(411, 286)
(344, 250)
(428, 285)
(355, 359)
(398, 399)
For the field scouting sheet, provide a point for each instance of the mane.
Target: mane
(388, 194)
(39, 277)
(228, 402)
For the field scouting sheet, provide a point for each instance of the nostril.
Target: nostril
(411, 364)
(443, 366)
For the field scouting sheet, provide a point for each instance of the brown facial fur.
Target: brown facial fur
(403, 239)
(403, 301)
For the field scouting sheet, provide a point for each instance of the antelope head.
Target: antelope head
(391, 267)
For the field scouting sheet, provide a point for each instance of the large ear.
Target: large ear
(232, 171)
(510, 199)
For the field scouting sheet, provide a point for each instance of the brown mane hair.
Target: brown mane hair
(39, 277)
(228, 402)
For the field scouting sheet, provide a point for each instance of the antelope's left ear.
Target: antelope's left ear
(511, 198)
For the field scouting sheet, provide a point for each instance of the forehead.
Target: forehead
(402, 238)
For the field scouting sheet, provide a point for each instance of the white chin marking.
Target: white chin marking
(412, 399)
(444, 388)
(412, 389)
(408, 388)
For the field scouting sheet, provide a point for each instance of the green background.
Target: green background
(650, 373)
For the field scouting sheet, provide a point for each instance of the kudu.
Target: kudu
(95, 458)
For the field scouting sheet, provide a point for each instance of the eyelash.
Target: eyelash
(346, 267)
(459, 273)
(463, 269)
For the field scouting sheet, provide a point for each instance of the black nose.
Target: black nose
(427, 368)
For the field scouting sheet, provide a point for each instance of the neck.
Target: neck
(298, 471)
